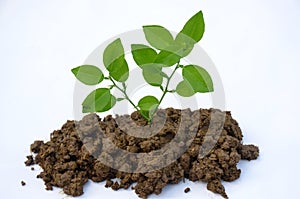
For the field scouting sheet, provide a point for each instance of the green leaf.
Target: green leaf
(191, 33)
(162, 88)
(168, 57)
(184, 89)
(111, 87)
(112, 103)
(145, 114)
(114, 61)
(148, 103)
(88, 74)
(120, 99)
(124, 85)
(113, 52)
(163, 74)
(120, 70)
(143, 54)
(198, 78)
(152, 74)
(158, 36)
(194, 29)
(185, 44)
(100, 100)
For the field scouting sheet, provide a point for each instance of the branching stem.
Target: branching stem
(165, 91)
(123, 90)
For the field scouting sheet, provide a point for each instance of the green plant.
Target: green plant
(166, 51)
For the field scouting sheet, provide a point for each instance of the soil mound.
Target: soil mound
(73, 154)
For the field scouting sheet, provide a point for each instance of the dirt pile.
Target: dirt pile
(79, 151)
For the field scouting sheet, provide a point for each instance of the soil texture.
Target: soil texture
(75, 153)
(187, 190)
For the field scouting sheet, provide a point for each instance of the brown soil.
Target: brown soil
(29, 161)
(23, 183)
(69, 159)
(187, 190)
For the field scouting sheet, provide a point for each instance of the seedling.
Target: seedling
(164, 51)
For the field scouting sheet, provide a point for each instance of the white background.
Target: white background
(254, 44)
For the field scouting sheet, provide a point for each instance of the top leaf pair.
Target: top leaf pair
(170, 49)
(161, 39)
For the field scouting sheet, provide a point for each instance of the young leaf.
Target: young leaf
(100, 100)
(184, 89)
(124, 85)
(88, 74)
(162, 88)
(193, 29)
(143, 54)
(145, 114)
(152, 74)
(198, 78)
(111, 87)
(158, 36)
(120, 99)
(148, 103)
(163, 74)
(114, 61)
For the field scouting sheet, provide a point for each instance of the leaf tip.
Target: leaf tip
(117, 40)
(74, 70)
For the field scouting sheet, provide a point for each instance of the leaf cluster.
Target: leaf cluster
(162, 51)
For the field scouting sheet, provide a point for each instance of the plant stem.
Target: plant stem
(166, 89)
(167, 85)
(124, 93)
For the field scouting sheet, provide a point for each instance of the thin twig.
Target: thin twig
(124, 93)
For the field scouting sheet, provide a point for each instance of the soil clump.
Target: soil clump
(73, 154)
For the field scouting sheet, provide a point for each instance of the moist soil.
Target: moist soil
(70, 158)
